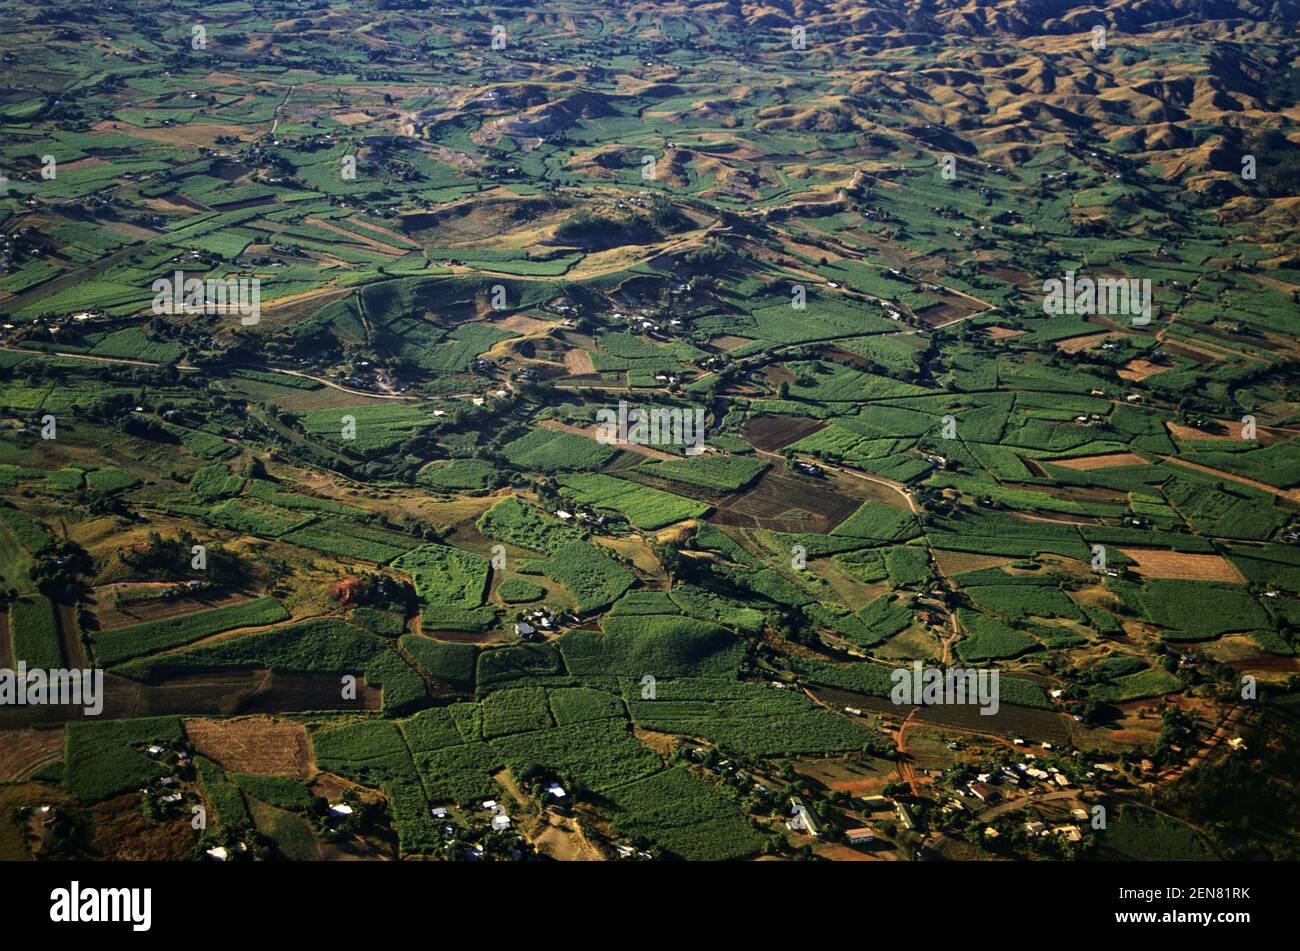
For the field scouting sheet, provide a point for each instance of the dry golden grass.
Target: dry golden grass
(1107, 460)
(256, 746)
(1138, 370)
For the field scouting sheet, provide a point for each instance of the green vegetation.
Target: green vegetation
(553, 450)
(717, 472)
(644, 507)
(594, 579)
(34, 631)
(519, 591)
(106, 757)
(113, 647)
(906, 458)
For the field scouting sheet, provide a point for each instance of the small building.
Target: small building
(859, 836)
(340, 809)
(500, 823)
(802, 819)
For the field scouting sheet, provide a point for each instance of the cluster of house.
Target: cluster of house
(727, 770)
(367, 376)
(628, 852)
(167, 791)
(582, 515)
(1035, 827)
(805, 822)
(645, 325)
(537, 624)
(1026, 768)
(499, 821)
(53, 325)
(448, 830)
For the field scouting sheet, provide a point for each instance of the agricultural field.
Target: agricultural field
(125, 643)
(617, 415)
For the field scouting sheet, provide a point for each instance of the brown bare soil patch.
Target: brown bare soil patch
(521, 324)
(1191, 434)
(1061, 517)
(771, 433)
(1004, 333)
(778, 375)
(1195, 354)
(1075, 344)
(1136, 370)
(661, 743)
(23, 752)
(90, 162)
(1028, 722)
(113, 615)
(192, 134)
(948, 311)
(1152, 563)
(841, 853)
(840, 355)
(123, 834)
(1011, 276)
(635, 550)
(258, 746)
(563, 841)
(1104, 461)
(1243, 653)
(785, 503)
(729, 342)
(959, 562)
